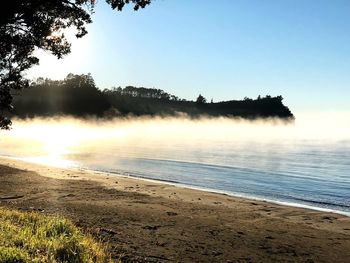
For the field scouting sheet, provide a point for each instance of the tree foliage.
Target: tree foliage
(78, 96)
(142, 92)
(26, 26)
(201, 100)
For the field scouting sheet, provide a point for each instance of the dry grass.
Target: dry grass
(33, 237)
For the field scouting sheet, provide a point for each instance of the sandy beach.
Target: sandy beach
(144, 221)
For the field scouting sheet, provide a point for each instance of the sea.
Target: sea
(303, 163)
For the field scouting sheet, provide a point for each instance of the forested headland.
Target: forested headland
(78, 96)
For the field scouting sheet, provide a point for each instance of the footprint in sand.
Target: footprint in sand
(171, 213)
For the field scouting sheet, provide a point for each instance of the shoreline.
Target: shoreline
(196, 188)
(151, 221)
(223, 192)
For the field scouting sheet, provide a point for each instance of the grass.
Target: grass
(33, 237)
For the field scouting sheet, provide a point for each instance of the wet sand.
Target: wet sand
(144, 221)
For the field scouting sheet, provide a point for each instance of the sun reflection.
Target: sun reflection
(55, 161)
(51, 141)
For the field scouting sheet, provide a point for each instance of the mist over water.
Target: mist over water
(302, 163)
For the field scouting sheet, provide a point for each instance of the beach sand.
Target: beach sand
(146, 221)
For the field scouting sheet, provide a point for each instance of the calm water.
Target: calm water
(301, 165)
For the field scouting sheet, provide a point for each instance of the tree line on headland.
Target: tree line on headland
(77, 95)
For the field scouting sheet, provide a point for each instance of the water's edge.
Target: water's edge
(186, 186)
(216, 191)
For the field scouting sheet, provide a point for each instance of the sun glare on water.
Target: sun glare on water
(50, 142)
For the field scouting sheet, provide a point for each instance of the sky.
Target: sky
(223, 49)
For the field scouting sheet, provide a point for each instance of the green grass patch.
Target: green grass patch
(33, 237)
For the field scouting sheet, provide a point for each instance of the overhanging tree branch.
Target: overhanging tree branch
(29, 25)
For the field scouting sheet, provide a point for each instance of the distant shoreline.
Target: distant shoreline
(78, 96)
(144, 219)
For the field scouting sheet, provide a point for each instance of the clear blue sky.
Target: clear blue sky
(223, 49)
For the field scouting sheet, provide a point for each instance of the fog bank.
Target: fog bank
(64, 135)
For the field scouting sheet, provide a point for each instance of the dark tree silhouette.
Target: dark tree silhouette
(201, 100)
(37, 24)
(77, 95)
